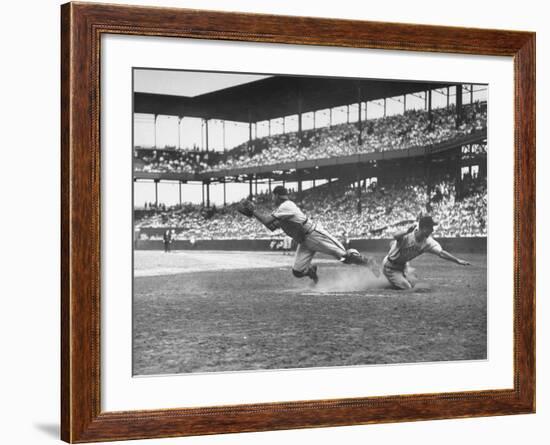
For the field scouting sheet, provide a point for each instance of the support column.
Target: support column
(269, 185)
(359, 123)
(300, 119)
(458, 105)
(429, 185)
(206, 133)
(385, 101)
(329, 117)
(458, 179)
(179, 132)
(155, 131)
(156, 192)
(256, 186)
(180, 192)
(250, 186)
(359, 204)
(425, 100)
(448, 96)
(223, 136)
(471, 93)
(269, 127)
(202, 189)
(208, 194)
(404, 103)
(249, 135)
(347, 111)
(202, 135)
(224, 193)
(430, 114)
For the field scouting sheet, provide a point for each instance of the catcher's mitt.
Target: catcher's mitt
(246, 208)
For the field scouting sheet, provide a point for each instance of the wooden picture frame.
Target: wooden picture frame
(82, 26)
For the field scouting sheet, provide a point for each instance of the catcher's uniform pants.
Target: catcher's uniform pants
(395, 274)
(319, 240)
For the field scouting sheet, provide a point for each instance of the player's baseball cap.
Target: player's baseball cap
(426, 221)
(280, 191)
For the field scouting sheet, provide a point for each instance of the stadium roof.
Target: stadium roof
(277, 96)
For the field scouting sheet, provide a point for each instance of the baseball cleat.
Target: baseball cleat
(352, 256)
(312, 273)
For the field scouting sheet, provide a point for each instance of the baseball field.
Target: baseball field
(214, 311)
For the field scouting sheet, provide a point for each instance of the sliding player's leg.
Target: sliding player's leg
(396, 277)
(321, 241)
(302, 263)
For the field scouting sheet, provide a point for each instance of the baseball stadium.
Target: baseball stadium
(214, 290)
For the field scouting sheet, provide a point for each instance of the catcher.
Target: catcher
(310, 237)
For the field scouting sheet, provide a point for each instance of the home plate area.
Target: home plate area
(210, 311)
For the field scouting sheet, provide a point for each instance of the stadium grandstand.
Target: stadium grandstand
(363, 157)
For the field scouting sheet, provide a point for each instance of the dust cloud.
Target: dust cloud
(350, 279)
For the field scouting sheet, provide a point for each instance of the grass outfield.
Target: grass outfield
(229, 311)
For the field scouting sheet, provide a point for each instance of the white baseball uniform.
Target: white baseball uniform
(311, 238)
(401, 252)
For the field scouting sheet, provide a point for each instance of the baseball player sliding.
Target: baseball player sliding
(310, 237)
(409, 244)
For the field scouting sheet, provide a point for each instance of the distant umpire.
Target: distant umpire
(167, 237)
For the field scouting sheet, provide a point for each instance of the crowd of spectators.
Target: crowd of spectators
(411, 129)
(384, 209)
(168, 160)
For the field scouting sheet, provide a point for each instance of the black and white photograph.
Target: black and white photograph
(285, 221)
(243, 223)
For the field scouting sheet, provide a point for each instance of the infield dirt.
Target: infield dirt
(233, 311)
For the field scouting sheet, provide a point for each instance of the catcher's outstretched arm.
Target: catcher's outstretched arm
(267, 220)
(248, 209)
